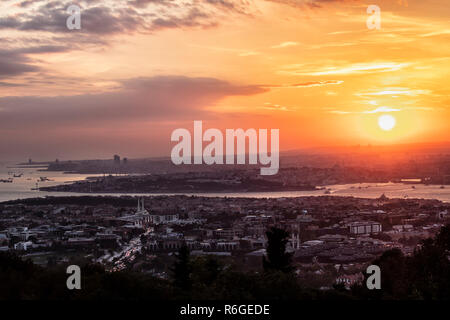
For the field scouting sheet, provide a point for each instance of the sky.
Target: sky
(139, 69)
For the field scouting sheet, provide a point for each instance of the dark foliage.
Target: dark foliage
(424, 275)
(277, 257)
(182, 269)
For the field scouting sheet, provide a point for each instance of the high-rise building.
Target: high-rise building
(116, 159)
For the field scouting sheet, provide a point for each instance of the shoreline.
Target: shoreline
(132, 196)
(250, 195)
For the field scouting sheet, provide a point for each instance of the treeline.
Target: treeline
(424, 275)
(124, 201)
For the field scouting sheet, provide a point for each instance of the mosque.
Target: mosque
(141, 218)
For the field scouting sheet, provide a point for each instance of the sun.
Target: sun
(386, 122)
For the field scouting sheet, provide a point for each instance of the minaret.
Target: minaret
(293, 241)
(139, 205)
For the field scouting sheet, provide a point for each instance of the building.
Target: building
(224, 233)
(116, 159)
(366, 227)
(349, 279)
(227, 245)
(140, 219)
(23, 246)
(163, 218)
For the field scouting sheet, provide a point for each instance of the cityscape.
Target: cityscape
(332, 238)
(140, 223)
(225, 158)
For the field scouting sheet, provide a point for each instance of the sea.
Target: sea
(32, 178)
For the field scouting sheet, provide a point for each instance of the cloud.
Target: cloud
(436, 33)
(249, 53)
(10, 68)
(285, 44)
(134, 119)
(8, 84)
(308, 84)
(240, 6)
(308, 3)
(349, 69)
(96, 20)
(377, 110)
(316, 83)
(145, 3)
(139, 99)
(42, 29)
(278, 107)
(14, 62)
(102, 18)
(396, 92)
(194, 17)
(381, 109)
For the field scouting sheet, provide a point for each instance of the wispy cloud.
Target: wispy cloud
(436, 33)
(276, 107)
(349, 69)
(377, 110)
(381, 109)
(249, 53)
(306, 84)
(285, 44)
(395, 92)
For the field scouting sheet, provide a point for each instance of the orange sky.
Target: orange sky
(139, 69)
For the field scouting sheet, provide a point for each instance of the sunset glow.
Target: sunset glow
(135, 72)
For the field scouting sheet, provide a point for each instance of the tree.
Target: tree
(277, 257)
(394, 275)
(443, 238)
(182, 269)
(205, 270)
(425, 275)
(430, 267)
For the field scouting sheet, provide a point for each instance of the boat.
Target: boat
(18, 175)
(9, 180)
